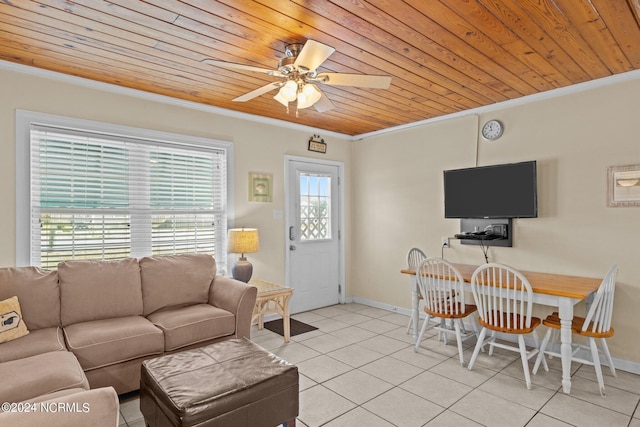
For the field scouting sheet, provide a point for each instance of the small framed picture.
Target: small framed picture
(317, 146)
(260, 187)
(623, 186)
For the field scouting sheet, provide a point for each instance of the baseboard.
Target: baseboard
(621, 364)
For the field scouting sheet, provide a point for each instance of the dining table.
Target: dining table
(556, 290)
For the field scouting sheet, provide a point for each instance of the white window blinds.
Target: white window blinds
(101, 196)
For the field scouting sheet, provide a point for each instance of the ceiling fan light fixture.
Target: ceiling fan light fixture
(308, 96)
(298, 71)
(289, 91)
(281, 99)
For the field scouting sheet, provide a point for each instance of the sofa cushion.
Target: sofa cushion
(33, 376)
(37, 342)
(38, 293)
(176, 280)
(193, 324)
(11, 322)
(109, 341)
(94, 290)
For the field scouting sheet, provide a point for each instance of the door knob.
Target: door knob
(292, 248)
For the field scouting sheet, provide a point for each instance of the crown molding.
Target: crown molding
(554, 93)
(120, 90)
(111, 88)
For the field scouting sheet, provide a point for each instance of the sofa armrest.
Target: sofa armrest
(236, 297)
(99, 407)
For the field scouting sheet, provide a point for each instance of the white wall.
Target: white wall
(258, 147)
(393, 183)
(398, 197)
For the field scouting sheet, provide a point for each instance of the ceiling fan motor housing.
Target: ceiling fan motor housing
(286, 64)
(293, 50)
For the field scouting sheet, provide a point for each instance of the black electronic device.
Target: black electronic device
(481, 235)
(498, 191)
(486, 232)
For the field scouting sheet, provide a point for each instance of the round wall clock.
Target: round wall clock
(492, 130)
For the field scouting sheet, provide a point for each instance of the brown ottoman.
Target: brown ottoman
(230, 383)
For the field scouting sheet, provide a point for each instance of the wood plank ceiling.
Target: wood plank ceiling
(444, 56)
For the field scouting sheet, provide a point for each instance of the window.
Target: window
(315, 207)
(98, 191)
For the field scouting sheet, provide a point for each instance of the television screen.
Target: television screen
(499, 191)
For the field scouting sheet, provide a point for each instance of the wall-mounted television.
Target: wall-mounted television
(498, 191)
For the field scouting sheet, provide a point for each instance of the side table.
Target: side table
(272, 298)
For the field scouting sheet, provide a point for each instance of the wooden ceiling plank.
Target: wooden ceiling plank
(176, 66)
(325, 66)
(384, 60)
(153, 86)
(551, 18)
(521, 23)
(457, 24)
(585, 18)
(620, 20)
(310, 118)
(392, 85)
(66, 61)
(484, 31)
(440, 31)
(543, 74)
(417, 35)
(250, 42)
(77, 34)
(393, 50)
(135, 62)
(158, 45)
(634, 5)
(29, 11)
(124, 10)
(116, 64)
(522, 51)
(130, 23)
(127, 30)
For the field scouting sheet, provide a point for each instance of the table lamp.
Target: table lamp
(242, 241)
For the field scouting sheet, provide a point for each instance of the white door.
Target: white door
(313, 239)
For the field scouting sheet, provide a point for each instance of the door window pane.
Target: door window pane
(315, 207)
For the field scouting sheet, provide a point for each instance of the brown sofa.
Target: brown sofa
(92, 323)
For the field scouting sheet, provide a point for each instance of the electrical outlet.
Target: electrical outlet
(445, 242)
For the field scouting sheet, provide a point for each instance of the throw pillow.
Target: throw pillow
(12, 325)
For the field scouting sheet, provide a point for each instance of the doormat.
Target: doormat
(297, 327)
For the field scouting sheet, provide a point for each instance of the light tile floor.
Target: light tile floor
(359, 369)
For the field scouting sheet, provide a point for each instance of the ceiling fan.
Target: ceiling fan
(298, 72)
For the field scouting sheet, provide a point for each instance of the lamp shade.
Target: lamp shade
(243, 240)
(308, 96)
(289, 90)
(281, 99)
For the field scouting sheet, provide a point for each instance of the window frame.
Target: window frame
(24, 120)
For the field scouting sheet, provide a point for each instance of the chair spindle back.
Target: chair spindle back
(503, 296)
(415, 257)
(441, 286)
(598, 318)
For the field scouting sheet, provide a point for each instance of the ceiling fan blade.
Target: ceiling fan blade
(224, 64)
(324, 104)
(312, 55)
(257, 92)
(358, 80)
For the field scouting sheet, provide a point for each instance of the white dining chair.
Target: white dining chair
(414, 257)
(503, 297)
(596, 326)
(441, 288)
